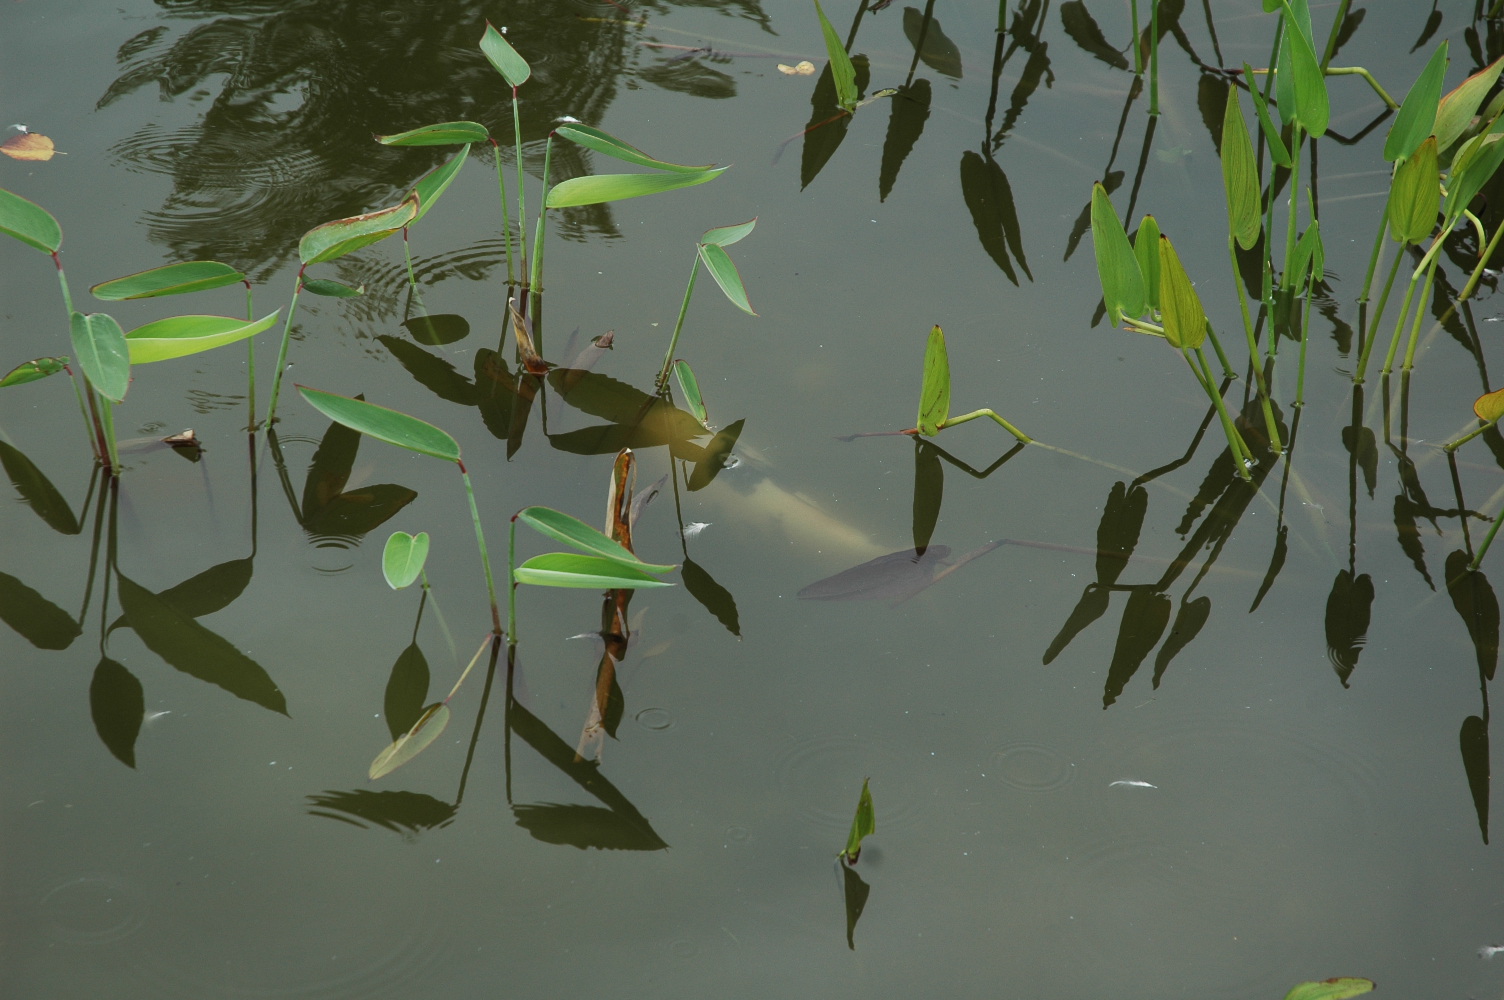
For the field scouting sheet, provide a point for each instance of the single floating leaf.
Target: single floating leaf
(403, 558)
(99, 344)
(29, 146)
(29, 222)
(1490, 406)
(333, 289)
(577, 534)
(170, 279)
(413, 742)
(335, 239)
(568, 569)
(721, 267)
(603, 142)
(593, 189)
(180, 336)
(863, 824)
(30, 371)
(444, 134)
(934, 394)
(1417, 115)
(384, 424)
(512, 67)
(1117, 267)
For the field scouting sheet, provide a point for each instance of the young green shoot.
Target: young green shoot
(863, 825)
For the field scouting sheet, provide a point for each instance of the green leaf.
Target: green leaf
(568, 569)
(1417, 114)
(934, 394)
(384, 424)
(1180, 306)
(411, 743)
(30, 371)
(724, 236)
(1117, 267)
(1240, 174)
(179, 336)
(437, 181)
(1472, 167)
(170, 279)
(1309, 255)
(403, 558)
(1310, 107)
(512, 67)
(842, 72)
(718, 262)
(691, 389)
(1415, 195)
(1278, 151)
(576, 533)
(29, 222)
(1490, 406)
(1331, 989)
(603, 142)
(1456, 110)
(863, 824)
(99, 344)
(443, 134)
(1146, 251)
(592, 189)
(342, 236)
(333, 289)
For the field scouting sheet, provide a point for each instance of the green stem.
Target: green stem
(512, 586)
(521, 194)
(1373, 258)
(1271, 426)
(1370, 335)
(1420, 311)
(1454, 445)
(292, 308)
(1138, 52)
(1331, 40)
(1305, 338)
(1360, 71)
(1487, 541)
(1227, 369)
(506, 213)
(407, 253)
(250, 359)
(485, 558)
(536, 280)
(1241, 456)
(1294, 207)
(1483, 258)
(1154, 57)
(107, 418)
(1018, 434)
(668, 356)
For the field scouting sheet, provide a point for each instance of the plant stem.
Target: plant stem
(292, 308)
(1373, 258)
(1360, 71)
(107, 418)
(1487, 541)
(1227, 369)
(1270, 425)
(1294, 191)
(1370, 335)
(1331, 40)
(1018, 434)
(1420, 311)
(521, 195)
(668, 357)
(1241, 456)
(485, 559)
(407, 253)
(512, 586)
(1138, 52)
(1452, 446)
(1154, 57)
(506, 214)
(535, 281)
(250, 359)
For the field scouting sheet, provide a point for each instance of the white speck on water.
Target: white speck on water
(1129, 783)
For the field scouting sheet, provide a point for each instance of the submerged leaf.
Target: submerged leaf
(411, 743)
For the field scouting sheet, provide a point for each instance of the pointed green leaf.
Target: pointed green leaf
(179, 336)
(1415, 195)
(690, 386)
(403, 558)
(576, 533)
(99, 344)
(1455, 113)
(934, 394)
(1180, 306)
(1417, 114)
(842, 72)
(592, 189)
(724, 236)
(1300, 69)
(1146, 251)
(1117, 267)
(512, 67)
(384, 424)
(170, 279)
(603, 142)
(718, 262)
(342, 236)
(1308, 257)
(30, 371)
(1331, 989)
(1278, 151)
(331, 288)
(437, 181)
(29, 222)
(863, 824)
(569, 569)
(444, 134)
(1490, 406)
(1473, 166)
(411, 743)
(1240, 174)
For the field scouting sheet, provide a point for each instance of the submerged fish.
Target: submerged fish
(895, 577)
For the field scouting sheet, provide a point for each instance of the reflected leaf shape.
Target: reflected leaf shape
(34, 618)
(989, 198)
(1276, 563)
(1474, 599)
(404, 748)
(1364, 449)
(1409, 536)
(1144, 619)
(690, 76)
(585, 826)
(1091, 606)
(1349, 609)
(716, 453)
(434, 373)
(37, 491)
(358, 512)
(910, 110)
(406, 691)
(1082, 29)
(117, 704)
(190, 647)
(1188, 623)
(330, 469)
(895, 577)
(29, 222)
(31, 371)
(400, 812)
(1473, 742)
(438, 330)
(204, 593)
(935, 50)
(855, 892)
(1118, 531)
(929, 491)
(170, 279)
(712, 596)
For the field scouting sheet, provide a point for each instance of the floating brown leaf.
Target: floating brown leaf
(28, 146)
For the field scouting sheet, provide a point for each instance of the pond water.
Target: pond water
(1250, 749)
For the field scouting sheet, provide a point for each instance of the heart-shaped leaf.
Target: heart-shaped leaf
(403, 558)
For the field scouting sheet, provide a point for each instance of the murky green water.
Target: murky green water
(1319, 803)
